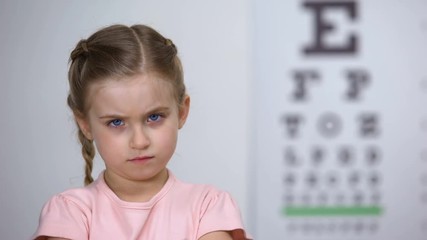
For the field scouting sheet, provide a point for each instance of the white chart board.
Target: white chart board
(340, 149)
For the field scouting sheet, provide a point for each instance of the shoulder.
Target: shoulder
(196, 192)
(216, 210)
(83, 196)
(67, 214)
(76, 199)
(205, 198)
(196, 198)
(69, 202)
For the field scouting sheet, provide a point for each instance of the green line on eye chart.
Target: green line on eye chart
(332, 211)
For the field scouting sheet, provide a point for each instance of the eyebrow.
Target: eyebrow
(154, 110)
(110, 116)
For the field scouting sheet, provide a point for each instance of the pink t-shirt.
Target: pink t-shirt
(180, 211)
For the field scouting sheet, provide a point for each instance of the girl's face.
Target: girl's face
(134, 123)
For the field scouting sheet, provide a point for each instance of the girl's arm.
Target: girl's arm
(51, 238)
(219, 235)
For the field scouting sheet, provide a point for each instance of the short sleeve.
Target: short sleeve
(221, 213)
(62, 217)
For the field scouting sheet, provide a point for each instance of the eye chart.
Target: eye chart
(340, 149)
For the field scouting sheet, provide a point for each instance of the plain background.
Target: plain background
(39, 152)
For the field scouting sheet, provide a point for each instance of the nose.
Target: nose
(140, 139)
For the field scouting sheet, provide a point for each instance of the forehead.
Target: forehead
(138, 90)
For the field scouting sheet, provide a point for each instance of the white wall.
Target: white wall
(39, 153)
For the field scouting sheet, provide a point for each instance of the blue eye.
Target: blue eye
(154, 117)
(116, 123)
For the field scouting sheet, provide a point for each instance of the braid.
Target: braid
(172, 46)
(88, 152)
(80, 50)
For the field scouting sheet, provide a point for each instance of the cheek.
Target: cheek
(104, 144)
(109, 148)
(168, 138)
(99, 136)
(106, 141)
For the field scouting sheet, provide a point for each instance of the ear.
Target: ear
(84, 125)
(183, 111)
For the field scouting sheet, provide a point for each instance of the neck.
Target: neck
(136, 190)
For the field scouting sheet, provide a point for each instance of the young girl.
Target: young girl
(128, 98)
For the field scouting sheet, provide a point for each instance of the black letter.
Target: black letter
(357, 79)
(292, 122)
(329, 125)
(322, 27)
(369, 125)
(301, 78)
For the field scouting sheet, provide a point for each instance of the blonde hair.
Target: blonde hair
(119, 51)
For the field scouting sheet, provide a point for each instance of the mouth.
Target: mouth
(141, 159)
